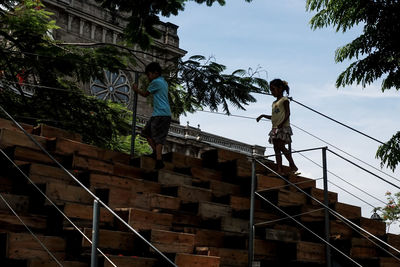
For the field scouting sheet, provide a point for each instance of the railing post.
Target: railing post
(95, 233)
(326, 202)
(251, 223)
(134, 115)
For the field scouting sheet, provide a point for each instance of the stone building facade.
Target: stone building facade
(84, 22)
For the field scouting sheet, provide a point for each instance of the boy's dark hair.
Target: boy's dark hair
(281, 84)
(153, 67)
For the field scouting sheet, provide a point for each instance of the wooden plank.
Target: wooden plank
(86, 163)
(211, 210)
(362, 248)
(10, 222)
(125, 170)
(9, 138)
(348, 211)
(33, 155)
(377, 228)
(18, 203)
(177, 159)
(190, 260)
(172, 242)
(282, 235)
(310, 252)
(41, 173)
(312, 213)
(141, 219)
(318, 194)
(235, 225)
(230, 257)
(166, 177)
(188, 194)
(265, 250)
(193, 162)
(206, 237)
(130, 261)
(222, 188)
(340, 231)
(267, 182)
(163, 202)
(388, 262)
(53, 132)
(394, 241)
(52, 263)
(7, 124)
(301, 182)
(205, 174)
(124, 241)
(61, 193)
(25, 246)
(85, 212)
(285, 198)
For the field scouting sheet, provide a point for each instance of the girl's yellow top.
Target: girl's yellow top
(278, 113)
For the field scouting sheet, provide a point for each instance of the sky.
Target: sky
(276, 37)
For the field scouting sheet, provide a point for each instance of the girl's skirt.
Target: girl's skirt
(283, 134)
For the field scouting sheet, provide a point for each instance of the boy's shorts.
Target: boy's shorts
(157, 128)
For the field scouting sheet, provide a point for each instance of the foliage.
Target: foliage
(144, 16)
(389, 153)
(390, 213)
(200, 82)
(141, 145)
(376, 51)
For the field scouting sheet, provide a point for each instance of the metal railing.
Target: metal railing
(97, 201)
(327, 210)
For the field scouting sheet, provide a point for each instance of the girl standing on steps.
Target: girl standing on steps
(281, 132)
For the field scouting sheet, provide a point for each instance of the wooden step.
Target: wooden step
(85, 213)
(151, 201)
(286, 235)
(53, 132)
(224, 189)
(388, 262)
(319, 195)
(234, 225)
(141, 219)
(129, 261)
(52, 263)
(304, 252)
(177, 159)
(188, 194)
(394, 241)
(91, 164)
(311, 213)
(205, 174)
(125, 170)
(206, 237)
(35, 156)
(166, 177)
(265, 250)
(211, 158)
(375, 227)
(18, 203)
(10, 222)
(362, 248)
(265, 182)
(25, 246)
(42, 173)
(62, 193)
(7, 124)
(110, 240)
(228, 257)
(9, 138)
(68, 147)
(348, 211)
(340, 230)
(285, 198)
(301, 182)
(211, 210)
(172, 242)
(190, 260)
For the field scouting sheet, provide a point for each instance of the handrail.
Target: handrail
(86, 189)
(334, 213)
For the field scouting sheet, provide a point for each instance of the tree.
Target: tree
(376, 52)
(390, 213)
(31, 60)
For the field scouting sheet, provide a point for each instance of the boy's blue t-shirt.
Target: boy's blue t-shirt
(159, 89)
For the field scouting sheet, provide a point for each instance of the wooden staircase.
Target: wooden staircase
(195, 211)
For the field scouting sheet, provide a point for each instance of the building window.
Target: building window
(113, 86)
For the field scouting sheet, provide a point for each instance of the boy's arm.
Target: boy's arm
(140, 92)
(263, 116)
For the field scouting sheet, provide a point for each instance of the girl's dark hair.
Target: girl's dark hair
(280, 84)
(153, 67)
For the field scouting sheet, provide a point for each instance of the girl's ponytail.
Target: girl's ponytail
(281, 84)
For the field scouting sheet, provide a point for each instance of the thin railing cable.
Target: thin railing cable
(30, 231)
(358, 166)
(341, 150)
(53, 204)
(332, 119)
(285, 218)
(347, 182)
(338, 215)
(86, 189)
(308, 229)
